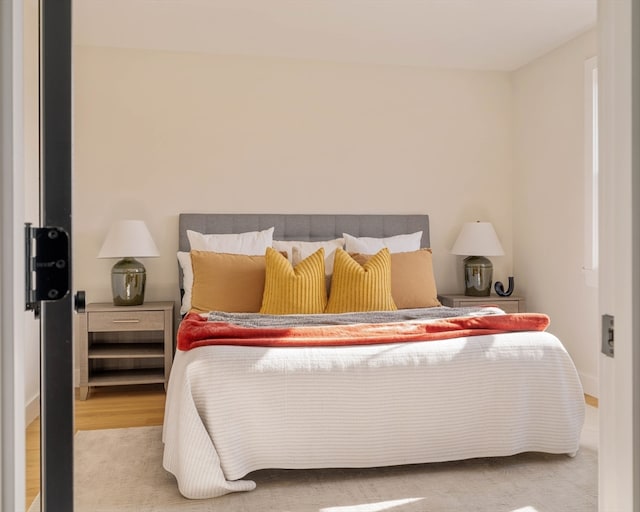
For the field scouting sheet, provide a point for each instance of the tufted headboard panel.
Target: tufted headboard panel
(303, 227)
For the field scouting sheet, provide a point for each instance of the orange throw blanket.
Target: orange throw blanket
(196, 331)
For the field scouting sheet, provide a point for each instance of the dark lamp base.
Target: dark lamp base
(478, 273)
(128, 278)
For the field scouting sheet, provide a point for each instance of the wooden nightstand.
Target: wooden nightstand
(508, 304)
(125, 345)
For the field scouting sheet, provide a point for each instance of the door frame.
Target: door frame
(619, 248)
(12, 421)
(57, 384)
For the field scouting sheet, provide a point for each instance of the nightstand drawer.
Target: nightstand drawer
(508, 306)
(104, 321)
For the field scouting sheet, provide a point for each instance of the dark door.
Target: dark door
(56, 393)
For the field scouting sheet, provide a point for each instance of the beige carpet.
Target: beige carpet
(121, 470)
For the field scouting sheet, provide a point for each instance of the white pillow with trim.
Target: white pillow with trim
(251, 243)
(369, 245)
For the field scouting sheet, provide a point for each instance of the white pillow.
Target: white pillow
(184, 258)
(302, 250)
(252, 243)
(368, 245)
(308, 248)
(285, 246)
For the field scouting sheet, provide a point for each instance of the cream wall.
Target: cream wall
(548, 193)
(159, 133)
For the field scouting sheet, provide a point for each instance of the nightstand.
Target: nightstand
(123, 345)
(508, 304)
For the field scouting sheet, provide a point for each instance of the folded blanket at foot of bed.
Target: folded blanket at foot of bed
(196, 331)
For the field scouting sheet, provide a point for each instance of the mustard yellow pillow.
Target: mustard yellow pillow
(227, 282)
(294, 290)
(356, 287)
(412, 282)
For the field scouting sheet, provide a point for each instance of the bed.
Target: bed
(234, 407)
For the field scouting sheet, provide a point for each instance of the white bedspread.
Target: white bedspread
(233, 410)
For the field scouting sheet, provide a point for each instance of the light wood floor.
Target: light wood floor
(113, 407)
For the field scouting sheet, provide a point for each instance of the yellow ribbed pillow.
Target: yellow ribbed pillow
(356, 287)
(412, 281)
(294, 290)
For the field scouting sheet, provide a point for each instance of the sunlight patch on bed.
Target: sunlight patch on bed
(372, 507)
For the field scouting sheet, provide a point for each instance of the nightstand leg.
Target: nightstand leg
(84, 392)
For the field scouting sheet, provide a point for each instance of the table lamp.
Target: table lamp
(128, 239)
(476, 241)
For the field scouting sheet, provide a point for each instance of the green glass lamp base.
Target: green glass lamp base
(478, 273)
(128, 279)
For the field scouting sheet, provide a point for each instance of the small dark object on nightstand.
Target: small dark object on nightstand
(500, 288)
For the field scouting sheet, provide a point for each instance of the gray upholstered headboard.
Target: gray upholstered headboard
(303, 227)
(311, 227)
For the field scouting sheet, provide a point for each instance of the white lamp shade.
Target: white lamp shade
(128, 239)
(477, 239)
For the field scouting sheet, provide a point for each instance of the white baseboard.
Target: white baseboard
(32, 410)
(589, 385)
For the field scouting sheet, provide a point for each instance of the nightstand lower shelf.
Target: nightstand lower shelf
(130, 350)
(125, 377)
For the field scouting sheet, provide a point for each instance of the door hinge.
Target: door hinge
(607, 335)
(46, 265)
